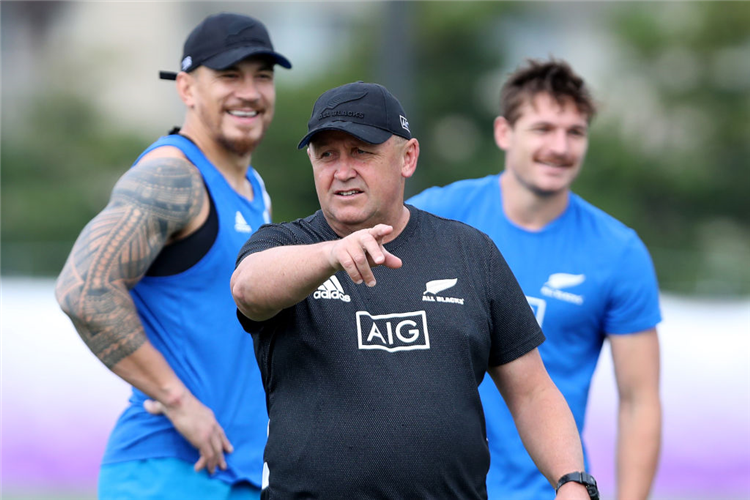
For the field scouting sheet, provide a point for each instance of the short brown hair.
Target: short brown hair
(554, 77)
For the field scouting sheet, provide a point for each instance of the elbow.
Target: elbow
(68, 298)
(246, 297)
(242, 294)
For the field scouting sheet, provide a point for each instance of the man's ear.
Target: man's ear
(410, 157)
(185, 88)
(503, 131)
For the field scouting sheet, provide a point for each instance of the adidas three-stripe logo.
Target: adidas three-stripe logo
(240, 224)
(331, 289)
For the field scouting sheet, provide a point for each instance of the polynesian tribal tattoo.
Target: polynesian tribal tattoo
(113, 252)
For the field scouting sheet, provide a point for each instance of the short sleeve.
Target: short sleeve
(633, 304)
(515, 330)
(267, 236)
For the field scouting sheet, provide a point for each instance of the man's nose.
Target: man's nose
(248, 90)
(344, 170)
(559, 144)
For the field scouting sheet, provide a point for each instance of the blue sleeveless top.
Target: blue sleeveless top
(190, 318)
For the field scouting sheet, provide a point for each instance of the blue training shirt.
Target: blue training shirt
(190, 318)
(585, 275)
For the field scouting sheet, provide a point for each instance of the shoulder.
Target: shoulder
(599, 224)
(163, 152)
(454, 244)
(465, 185)
(303, 231)
(611, 244)
(168, 172)
(463, 191)
(456, 232)
(162, 183)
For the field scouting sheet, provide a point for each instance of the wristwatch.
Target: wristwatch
(583, 478)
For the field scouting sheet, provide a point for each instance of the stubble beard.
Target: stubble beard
(242, 145)
(534, 188)
(239, 147)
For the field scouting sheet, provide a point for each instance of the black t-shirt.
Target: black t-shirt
(372, 392)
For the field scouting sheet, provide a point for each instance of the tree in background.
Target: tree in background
(668, 156)
(675, 165)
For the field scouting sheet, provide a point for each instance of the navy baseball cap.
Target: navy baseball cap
(365, 110)
(222, 40)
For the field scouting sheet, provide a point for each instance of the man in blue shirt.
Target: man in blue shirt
(147, 282)
(586, 276)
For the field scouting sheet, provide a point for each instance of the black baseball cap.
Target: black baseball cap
(222, 40)
(365, 110)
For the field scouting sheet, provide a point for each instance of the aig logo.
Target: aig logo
(393, 332)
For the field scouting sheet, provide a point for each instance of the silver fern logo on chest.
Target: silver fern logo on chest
(435, 287)
(557, 281)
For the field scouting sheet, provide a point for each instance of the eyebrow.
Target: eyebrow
(550, 124)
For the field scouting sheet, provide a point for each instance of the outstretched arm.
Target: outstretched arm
(266, 282)
(636, 362)
(149, 205)
(543, 419)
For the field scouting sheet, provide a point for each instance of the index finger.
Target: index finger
(380, 230)
(374, 248)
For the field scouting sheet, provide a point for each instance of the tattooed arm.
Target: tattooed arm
(150, 204)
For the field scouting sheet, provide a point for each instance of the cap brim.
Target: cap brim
(366, 133)
(231, 57)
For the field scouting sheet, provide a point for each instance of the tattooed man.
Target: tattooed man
(147, 282)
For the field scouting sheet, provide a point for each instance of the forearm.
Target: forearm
(636, 363)
(148, 371)
(541, 414)
(549, 433)
(266, 282)
(638, 446)
(107, 322)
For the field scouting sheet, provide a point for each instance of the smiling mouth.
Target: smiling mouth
(243, 114)
(555, 164)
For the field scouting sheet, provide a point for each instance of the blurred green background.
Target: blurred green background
(80, 99)
(668, 156)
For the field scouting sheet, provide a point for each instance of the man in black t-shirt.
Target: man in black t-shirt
(374, 323)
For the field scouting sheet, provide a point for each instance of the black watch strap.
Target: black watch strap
(583, 478)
